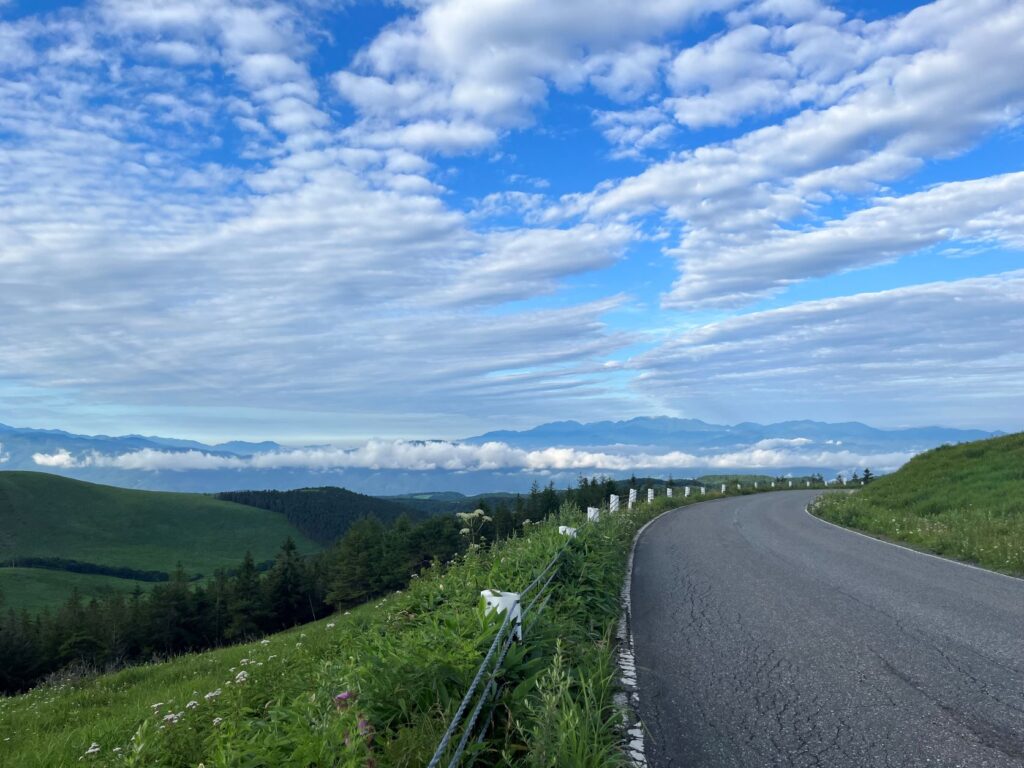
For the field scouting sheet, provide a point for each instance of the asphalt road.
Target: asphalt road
(766, 637)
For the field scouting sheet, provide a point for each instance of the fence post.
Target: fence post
(499, 601)
(613, 503)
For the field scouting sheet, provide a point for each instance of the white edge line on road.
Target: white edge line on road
(940, 558)
(629, 699)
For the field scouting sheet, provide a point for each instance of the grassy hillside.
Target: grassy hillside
(33, 589)
(964, 501)
(44, 515)
(407, 658)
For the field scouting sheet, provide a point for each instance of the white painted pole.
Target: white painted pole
(808, 483)
(593, 514)
(790, 483)
(703, 490)
(755, 485)
(723, 487)
(668, 492)
(686, 491)
(650, 495)
(632, 497)
(565, 530)
(613, 503)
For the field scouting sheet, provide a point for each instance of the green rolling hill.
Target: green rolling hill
(963, 501)
(48, 516)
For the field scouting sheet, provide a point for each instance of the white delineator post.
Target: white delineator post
(565, 530)
(496, 600)
(790, 483)
(593, 514)
(650, 495)
(632, 498)
(668, 492)
(613, 503)
(723, 487)
(703, 490)
(773, 483)
(686, 491)
(755, 485)
(808, 483)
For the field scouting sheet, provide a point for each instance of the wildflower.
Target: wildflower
(218, 720)
(331, 625)
(212, 695)
(264, 641)
(241, 677)
(92, 750)
(192, 704)
(171, 718)
(464, 532)
(344, 698)
(157, 705)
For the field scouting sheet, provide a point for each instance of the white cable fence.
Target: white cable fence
(521, 610)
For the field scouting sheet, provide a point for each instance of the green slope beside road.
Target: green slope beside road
(963, 501)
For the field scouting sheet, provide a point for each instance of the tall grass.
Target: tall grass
(964, 501)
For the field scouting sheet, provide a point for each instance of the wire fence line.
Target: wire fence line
(491, 666)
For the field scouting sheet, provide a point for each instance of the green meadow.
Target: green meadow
(962, 501)
(44, 515)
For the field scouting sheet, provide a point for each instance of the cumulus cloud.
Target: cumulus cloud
(988, 210)
(461, 457)
(926, 85)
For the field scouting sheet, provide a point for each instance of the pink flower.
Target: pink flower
(344, 698)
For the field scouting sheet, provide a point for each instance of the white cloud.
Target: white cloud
(932, 84)
(488, 64)
(988, 210)
(460, 457)
(954, 348)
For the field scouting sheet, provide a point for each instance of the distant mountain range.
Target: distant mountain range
(694, 435)
(651, 445)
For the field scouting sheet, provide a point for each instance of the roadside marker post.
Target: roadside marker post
(593, 514)
(703, 490)
(668, 491)
(501, 602)
(686, 491)
(723, 487)
(650, 495)
(632, 498)
(613, 503)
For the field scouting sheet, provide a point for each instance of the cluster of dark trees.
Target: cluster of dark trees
(323, 514)
(78, 566)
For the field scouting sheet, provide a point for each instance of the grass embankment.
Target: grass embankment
(43, 515)
(963, 501)
(408, 658)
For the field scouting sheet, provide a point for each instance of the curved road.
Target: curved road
(766, 637)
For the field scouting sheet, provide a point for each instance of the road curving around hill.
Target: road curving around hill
(766, 637)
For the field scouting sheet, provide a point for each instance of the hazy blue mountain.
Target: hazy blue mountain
(655, 435)
(696, 436)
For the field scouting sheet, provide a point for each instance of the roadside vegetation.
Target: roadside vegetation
(373, 684)
(962, 501)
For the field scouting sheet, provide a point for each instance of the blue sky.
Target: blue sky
(315, 221)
